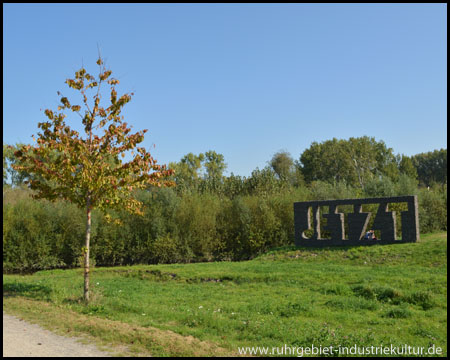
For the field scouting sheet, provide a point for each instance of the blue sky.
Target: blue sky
(245, 80)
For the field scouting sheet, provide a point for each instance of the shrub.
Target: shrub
(233, 229)
(422, 299)
(28, 236)
(165, 249)
(398, 313)
(380, 187)
(196, 220)
(432, 210)
(190, 226)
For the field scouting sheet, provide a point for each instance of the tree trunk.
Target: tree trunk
(86, 252)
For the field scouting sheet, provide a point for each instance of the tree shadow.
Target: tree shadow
(74, 300)
(321, 248)
(26, 290)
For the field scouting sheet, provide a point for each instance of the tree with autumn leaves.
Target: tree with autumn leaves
(89, 171)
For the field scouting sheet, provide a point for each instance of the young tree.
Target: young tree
(406, 166)
(187, 171)
(15, 177)
(283, 164)
(88, 171)
(215, 165)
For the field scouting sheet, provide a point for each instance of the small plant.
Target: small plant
(398, 313)
(421, 298)
(379, 293)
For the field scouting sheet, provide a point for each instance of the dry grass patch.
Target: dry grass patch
(120, 338)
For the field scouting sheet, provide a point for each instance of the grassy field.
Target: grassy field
(368, 296)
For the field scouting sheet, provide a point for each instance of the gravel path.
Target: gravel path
(24, 339)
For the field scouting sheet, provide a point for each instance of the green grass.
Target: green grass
(368, 296)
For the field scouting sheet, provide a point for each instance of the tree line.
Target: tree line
(355, 162)
(209, 216)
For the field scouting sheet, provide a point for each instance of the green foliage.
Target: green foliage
(16, 177)
(433, 209)
(431, 167)
(321, 190)
(263, 182)
(283, 165)
(35, 236)
(184, 227)
(355, 161)
(379, 187)
(203, 172)
(401, 312)
(208, 216)
(166, 250)
(196, 219)
(214, 165)
(406, 185)
(186, 172)
(406, 167)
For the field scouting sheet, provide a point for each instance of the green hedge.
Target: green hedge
(177, 228)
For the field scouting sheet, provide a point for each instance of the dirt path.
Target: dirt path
(24, 339)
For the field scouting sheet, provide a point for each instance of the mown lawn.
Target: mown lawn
(368, 296)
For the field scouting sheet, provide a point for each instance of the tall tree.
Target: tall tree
(283, 164)
(370, 157)
(354, 161)
(406, 166)
(187, 170)
(327, 161)
(89, 171)
(215, 165)
(7, 153)
(15, 177)
(431, 166)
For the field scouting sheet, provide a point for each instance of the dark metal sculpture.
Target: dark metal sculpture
(385, 221)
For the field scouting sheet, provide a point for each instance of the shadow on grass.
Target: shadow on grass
(74, 300)
(330, 248)
(27, 290)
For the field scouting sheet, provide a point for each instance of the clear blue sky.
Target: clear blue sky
(245, 80)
